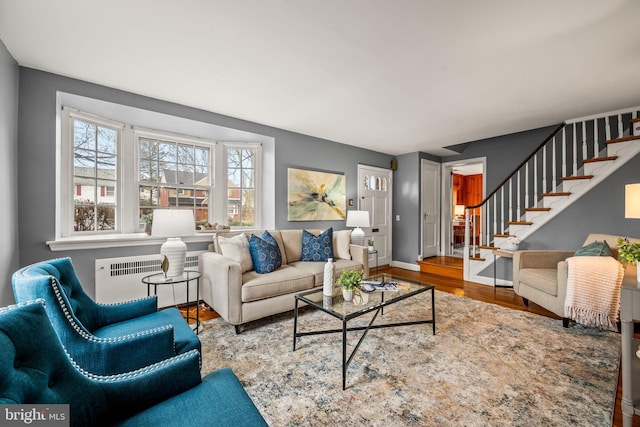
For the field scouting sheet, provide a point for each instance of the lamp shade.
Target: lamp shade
(173, 223)
(357, 218)
(632, 201)
(458, 210)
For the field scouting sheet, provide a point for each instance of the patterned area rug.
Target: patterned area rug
(486, 366)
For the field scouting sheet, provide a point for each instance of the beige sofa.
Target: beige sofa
(540, 276)
(240, 297)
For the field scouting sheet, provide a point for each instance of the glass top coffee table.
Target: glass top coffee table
(362, 303)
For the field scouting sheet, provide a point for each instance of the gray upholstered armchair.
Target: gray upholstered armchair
(540, 276)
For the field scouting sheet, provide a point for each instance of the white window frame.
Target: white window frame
(67, 188)
(128, 230)
(222, 211)
(179, 139)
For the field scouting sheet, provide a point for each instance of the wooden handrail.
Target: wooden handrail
(524, 162)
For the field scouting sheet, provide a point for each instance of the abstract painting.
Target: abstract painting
(316, 196)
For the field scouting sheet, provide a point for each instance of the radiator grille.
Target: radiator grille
(120, 279)
(148, 266)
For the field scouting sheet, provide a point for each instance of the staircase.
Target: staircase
(577, 156)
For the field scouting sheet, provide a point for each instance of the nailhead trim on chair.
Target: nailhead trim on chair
(78, 328)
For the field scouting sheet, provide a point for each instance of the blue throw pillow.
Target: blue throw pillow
(265, 253)
(317, 248)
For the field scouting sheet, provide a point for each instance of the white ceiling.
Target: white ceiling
(395, 76)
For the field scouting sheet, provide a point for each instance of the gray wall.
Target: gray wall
(9, 82)
(503, 153)
(37, 146)
(406, 203)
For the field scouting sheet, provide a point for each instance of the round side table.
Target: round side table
(158, 279)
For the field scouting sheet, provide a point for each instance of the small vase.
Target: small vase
(347, 295)
(147, 229)
(329, 269)
(371, 249)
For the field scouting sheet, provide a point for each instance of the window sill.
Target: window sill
(118, 241)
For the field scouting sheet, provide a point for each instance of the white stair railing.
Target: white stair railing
(537, 175)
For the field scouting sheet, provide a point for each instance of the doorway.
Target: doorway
(464, 185)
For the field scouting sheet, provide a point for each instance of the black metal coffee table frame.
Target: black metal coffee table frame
(315, 299)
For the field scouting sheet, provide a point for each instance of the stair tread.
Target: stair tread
(537, 209)
(520, 223)
(626, 138)
(476, 258)
(502, 235)
(576, 177)
(600, 159)
(636, 120)
(562, 193)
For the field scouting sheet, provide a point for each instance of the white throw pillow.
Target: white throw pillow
(237, 248)
(341, 242)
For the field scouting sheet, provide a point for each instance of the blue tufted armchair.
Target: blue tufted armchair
(103, 339)
(34, 369)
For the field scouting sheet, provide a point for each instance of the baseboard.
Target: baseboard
(405, 265)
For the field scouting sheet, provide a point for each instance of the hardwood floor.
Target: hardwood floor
(502, 296)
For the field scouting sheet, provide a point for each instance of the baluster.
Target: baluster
(596, 149)
(510, 199)
(495, 215)
(519, 193)
(607, 128)
(620, 126)
(553, 169)
(526, 184)
(502, 208)
(584, 141)
(544, 174)
(575, 151)
(564, 155)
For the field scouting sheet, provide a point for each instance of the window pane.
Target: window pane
(106, 217)
(148, 149)
(185, 154)
(185, 174)
(202, 175)
(247, 158)
(168, 173)
(149, 196)
(168, 196)
(106, 166)
(107, 140)
(234, 177)
(84, 159)
(84, 135)
(202, 216)
(84, 218)
(85, 190)
(234, 158)
(248, 208)
(247, 179)
(201, 156)
(106, 192)
(167, 152)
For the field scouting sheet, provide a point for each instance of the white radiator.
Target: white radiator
(120, 279)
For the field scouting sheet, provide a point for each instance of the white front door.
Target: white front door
(430, 208)
(374, 195)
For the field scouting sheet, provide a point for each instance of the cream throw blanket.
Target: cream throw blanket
(593, 291)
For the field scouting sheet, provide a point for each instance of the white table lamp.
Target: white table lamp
(357, 219)
(173, 223)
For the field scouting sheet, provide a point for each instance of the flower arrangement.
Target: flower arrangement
(627, 251)
(350, 279)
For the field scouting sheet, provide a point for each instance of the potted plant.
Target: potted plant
(148, 220)
(349, 280)
(370, 244)
(629, 252)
